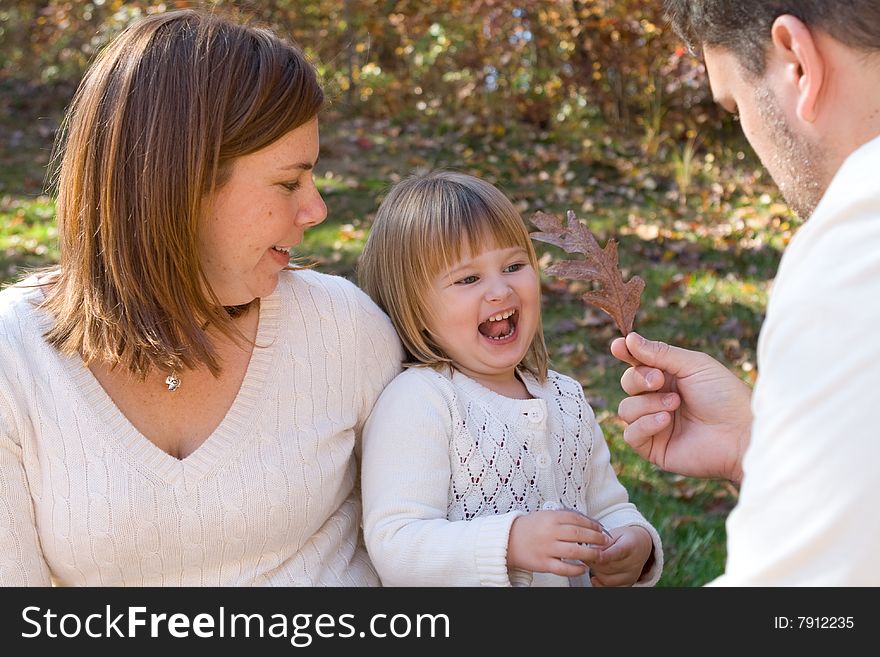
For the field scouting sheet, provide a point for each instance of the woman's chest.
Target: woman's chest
(106, 514)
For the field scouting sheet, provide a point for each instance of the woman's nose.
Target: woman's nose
(313, 210)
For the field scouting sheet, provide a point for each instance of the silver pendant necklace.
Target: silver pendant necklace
(172, 381)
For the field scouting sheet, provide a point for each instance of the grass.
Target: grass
(707, 246)
(28, 237)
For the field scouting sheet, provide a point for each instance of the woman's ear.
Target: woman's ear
(803, 61)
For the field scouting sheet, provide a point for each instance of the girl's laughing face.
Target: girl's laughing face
(484, 312)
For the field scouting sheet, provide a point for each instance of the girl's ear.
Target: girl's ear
(803, 63)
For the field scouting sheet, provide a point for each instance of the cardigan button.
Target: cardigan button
(535, 415)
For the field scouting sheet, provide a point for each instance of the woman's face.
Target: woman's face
(262, 210)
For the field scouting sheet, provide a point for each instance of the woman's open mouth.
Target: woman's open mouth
(281, 254)
(500, 327)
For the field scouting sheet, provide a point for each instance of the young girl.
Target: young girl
(480, 465)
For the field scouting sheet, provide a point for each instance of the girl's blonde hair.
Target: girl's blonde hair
(420, 230)
(155, 127)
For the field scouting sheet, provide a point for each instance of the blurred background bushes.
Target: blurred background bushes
(554, 65)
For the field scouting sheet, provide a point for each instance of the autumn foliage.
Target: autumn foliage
(492, 62)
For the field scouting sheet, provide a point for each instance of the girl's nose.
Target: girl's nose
(498, 290)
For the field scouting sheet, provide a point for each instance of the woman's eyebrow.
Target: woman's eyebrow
(304, 166)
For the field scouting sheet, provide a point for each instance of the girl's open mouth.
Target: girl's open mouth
(500, 326)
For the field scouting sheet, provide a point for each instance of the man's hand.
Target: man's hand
(687, 413)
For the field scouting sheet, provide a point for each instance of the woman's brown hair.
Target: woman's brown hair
(154, 128)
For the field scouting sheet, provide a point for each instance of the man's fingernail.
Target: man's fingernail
(669, 399)
(660, 418)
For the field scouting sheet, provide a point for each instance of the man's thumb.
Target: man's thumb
(654, 353)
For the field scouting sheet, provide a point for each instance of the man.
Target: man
(804, 77)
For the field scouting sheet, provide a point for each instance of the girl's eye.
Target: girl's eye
(467, 280)
(514, 267)
(291, 186)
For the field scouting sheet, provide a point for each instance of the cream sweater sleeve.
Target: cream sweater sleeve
(405, 477)
(608, 502)
(21, 559)
(380, 354)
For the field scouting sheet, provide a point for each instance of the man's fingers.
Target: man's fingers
(654, 353)
(632, 409)
(636, 380)
(640, 434)
(620, 352)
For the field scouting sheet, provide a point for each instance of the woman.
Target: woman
(177, 405)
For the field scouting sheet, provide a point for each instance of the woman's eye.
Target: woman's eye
(467, 280)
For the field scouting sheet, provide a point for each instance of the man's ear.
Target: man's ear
(803, 62)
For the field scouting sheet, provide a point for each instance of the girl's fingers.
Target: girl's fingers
(564, 568)
(609, 580)
(585, 536)
(578, 521)
(577, 551)
(613, 552)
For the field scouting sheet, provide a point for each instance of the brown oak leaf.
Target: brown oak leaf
(617, 298)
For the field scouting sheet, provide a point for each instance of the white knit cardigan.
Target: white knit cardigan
(449, 464)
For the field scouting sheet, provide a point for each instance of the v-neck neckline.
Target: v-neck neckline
(230, 436)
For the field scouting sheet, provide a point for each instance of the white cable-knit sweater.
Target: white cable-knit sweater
(268, 499)
(811, 485)
(448, 465)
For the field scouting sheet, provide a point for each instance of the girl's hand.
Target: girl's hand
(559, 542)
(621, 562)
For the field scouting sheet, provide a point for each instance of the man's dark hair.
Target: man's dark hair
(743, 26)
